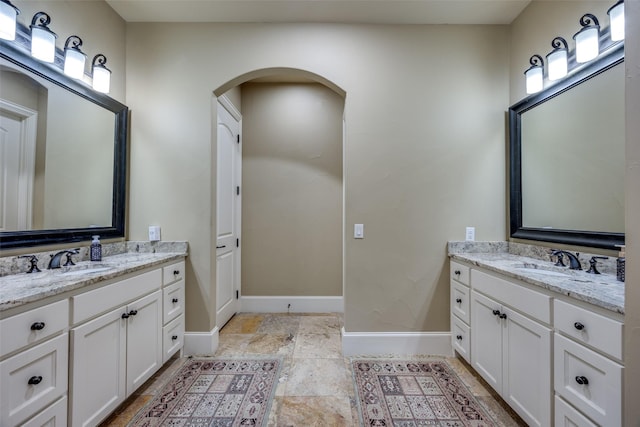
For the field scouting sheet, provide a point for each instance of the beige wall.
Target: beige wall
(424, 149)
(632, 290)
(292, 190)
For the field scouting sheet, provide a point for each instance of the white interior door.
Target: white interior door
(17, 165)
(228, 212)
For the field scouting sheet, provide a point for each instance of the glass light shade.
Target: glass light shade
(534, 79)
(616, 21)
(43, 44)
(74, 61)
(587, 44)
(557, 64)
(101, 78)
(8, 17)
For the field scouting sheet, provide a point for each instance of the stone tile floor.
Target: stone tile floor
(315, 386)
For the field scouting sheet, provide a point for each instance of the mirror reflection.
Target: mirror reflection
(57, 168)
(573, 157)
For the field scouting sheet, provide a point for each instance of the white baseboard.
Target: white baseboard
(396, 343)
(280, 304)
(201, 343)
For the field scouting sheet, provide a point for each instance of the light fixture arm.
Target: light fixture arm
(536, 61)
(586, 19)
(44, 18)
(100, 59)
(75, 42)
(559, 43)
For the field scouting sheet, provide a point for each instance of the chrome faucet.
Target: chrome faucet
(55, 259)
(574, 262)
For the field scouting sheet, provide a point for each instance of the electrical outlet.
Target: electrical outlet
(154, 233)
(470, 234)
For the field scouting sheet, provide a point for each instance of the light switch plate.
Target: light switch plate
(470, 234)
(358, 231)
(154, 233)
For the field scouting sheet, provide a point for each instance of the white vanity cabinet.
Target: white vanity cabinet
(460, 330)
(34, 366)
(173, 312)
(116, 352)
(511, 344)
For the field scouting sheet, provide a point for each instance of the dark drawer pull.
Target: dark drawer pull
(176, 272)
(133, 312)
(579, 326)
(459, 300)
(125, 315)
(35, 380)
(582, 380)
(496, 312)
(175, 300)
(38, 326)
(174, 337)
(459, 337)
(457, 272)
(503, 316)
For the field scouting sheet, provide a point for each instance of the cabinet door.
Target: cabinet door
(526, 361)
(98, 350)
(144, 339)
(486, 339)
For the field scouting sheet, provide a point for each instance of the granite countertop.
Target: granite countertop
(602, 290)
(19, 289)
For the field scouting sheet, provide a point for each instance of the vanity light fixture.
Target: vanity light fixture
(8, 17)
(101, 74)
(43, 40)
(616, 21)
(534, 75)
(558, 59)
(74, 58)
(587, 39)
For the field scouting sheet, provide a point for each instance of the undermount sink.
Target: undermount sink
(533, 270)
(87, 269)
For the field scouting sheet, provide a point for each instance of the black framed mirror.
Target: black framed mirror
(566, 153)
(78, 187)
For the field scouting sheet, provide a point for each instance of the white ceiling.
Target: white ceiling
(335, 11)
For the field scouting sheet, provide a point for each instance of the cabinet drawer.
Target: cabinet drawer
(173, 338)
(567, 416)
(54, 416)
(173, 304)
(45, 367)
(32, 326)
(600, 394)
(460, 338)
(173, 273)
(532, 303)
(460, 301)
(460, 272)
(100, 300)
(590, 328)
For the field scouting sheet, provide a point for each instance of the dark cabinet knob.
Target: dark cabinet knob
(176, 272)
(35, 380)
(457, 272)
(125, 315)
(503, 316)
(37, 326)
(496, 312)
(579, 326)
(174, 337)
(133, 312)
(459, 300)
(175, 300)
(582, 380)
(459, 337)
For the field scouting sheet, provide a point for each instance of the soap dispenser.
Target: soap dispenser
(96, 249)
(620, 263)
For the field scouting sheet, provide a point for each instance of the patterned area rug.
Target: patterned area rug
(414, 393)
(216, 393)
